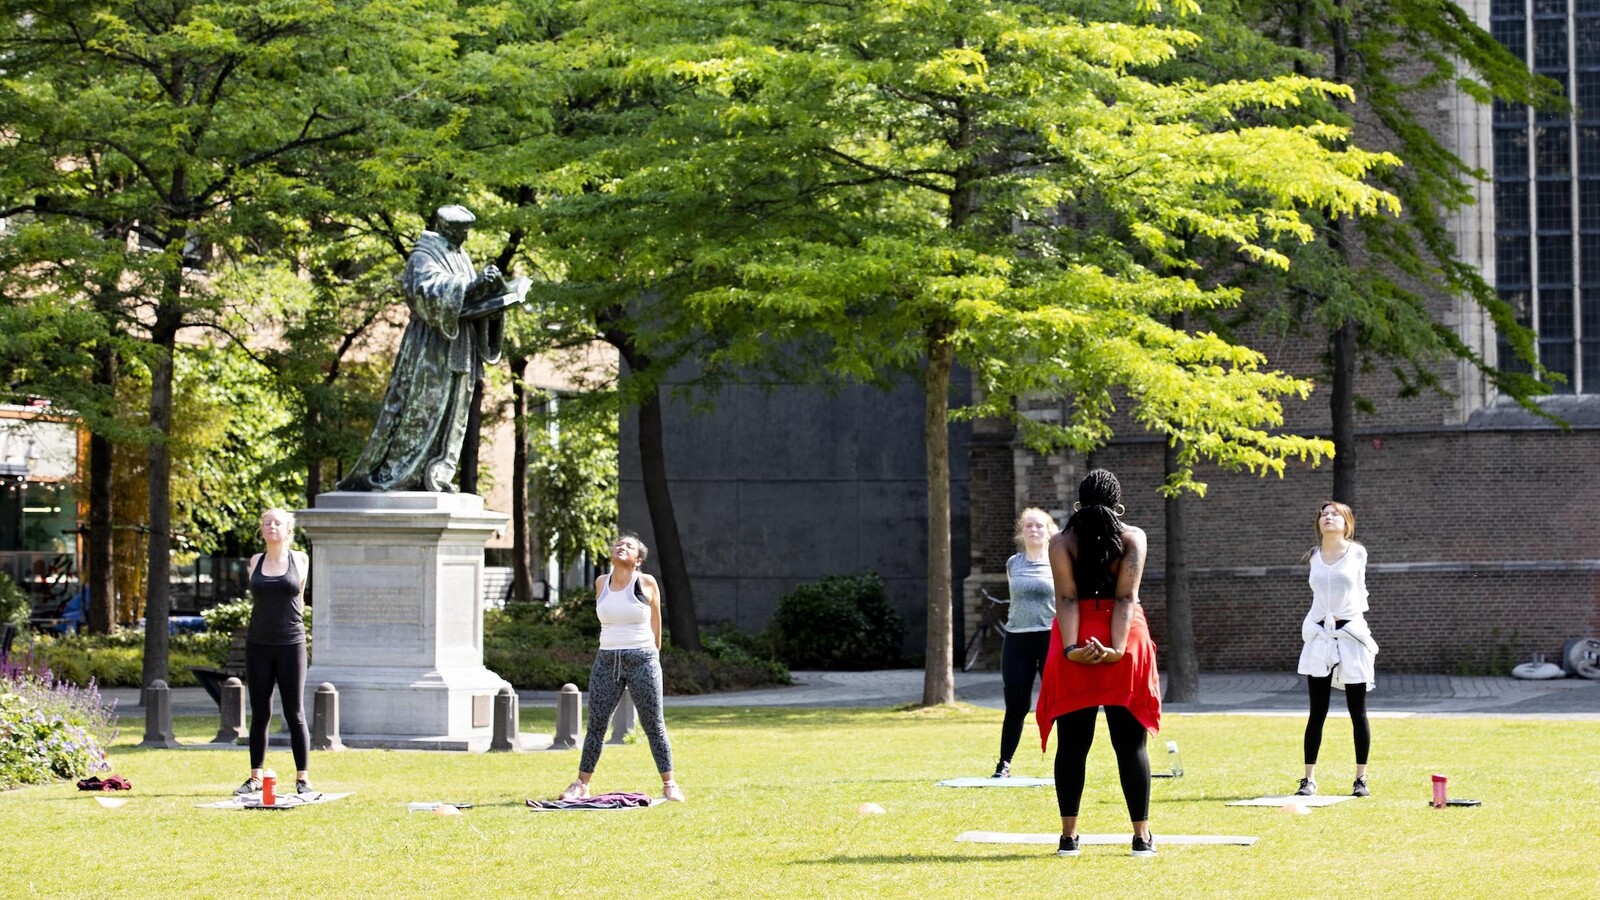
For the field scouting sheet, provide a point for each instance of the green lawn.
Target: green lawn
(772, 812)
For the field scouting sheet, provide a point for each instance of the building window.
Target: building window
(1547, 190)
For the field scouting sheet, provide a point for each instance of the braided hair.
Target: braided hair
(1099, 533)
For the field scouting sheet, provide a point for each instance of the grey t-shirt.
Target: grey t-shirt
(1033, 594)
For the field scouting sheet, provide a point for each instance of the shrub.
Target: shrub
(14, 605)
(541, 648)
(50, 728)
(226, 618)
(840, 622)
(117, 660)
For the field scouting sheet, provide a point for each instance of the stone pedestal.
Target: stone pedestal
(397, 621)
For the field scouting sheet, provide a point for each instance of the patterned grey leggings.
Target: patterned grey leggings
(640, 672)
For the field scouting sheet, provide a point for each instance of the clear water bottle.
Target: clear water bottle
(1173, 760)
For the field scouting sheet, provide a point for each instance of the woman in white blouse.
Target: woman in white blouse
(1339, 647)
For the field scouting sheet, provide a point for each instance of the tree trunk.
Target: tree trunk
(1183, 664)
(1344, 337)
(102, 576)
(679, 601)
(1343, 402)
(469, 445)
(158, 571)
(938, 682)
(522, 580)
(313, 467)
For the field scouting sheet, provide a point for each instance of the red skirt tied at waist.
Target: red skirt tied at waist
(1131, 681)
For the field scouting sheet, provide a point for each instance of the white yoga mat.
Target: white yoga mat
(1010, 837)
(1275, 802)
(1013, 781)
(285, 801)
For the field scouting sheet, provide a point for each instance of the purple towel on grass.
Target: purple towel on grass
(613, 800)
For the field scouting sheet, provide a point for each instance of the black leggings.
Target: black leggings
(282, 666)
(1021, 660)
(1074, 737)
(1355, 698)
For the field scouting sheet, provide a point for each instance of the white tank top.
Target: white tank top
(624, 618)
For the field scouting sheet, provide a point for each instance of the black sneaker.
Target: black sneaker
(1144, 846)
(1360, 789)
(1308, 788)
(1069, 846)
(1003, 770)
(252, 785)
(302, 786)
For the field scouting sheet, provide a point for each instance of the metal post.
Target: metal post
(158, 717)
(325, 719)
(231, 729)
(506, 737)
(569, 718)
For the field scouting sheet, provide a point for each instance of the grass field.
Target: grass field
(773, 812)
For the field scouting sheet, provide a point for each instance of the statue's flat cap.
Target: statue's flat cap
(455, 215)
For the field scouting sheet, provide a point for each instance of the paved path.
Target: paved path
(1264, 693)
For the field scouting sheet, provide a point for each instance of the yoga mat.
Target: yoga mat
(1013, 781)
(654, 801)
(287, 801)
(1162, 840)
(1275, 802)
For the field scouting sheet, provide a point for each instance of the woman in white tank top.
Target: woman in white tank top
(628, 604)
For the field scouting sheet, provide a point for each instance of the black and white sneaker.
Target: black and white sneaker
(303, 786)
(1003, 769)
(1360, 789)
(252, 785)
(1144, 846)
(1069, 846)
(1308, 788)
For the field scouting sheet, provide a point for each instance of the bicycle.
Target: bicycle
(992, 620)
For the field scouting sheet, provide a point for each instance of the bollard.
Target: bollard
(569, 718)
(158, 717)
(325, 719)
(625, 718)
(506, 737)
(232, 709)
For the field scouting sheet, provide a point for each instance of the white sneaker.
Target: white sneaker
(671, 791)
(576, 791)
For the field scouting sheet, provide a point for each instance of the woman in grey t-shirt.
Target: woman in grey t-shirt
(1027, 637)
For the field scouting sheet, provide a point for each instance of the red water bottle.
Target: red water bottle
(269, 780)
(1438, 791)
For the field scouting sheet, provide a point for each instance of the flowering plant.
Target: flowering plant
(50, 728)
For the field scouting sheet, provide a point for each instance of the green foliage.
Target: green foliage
(573, 467)
(14, 605)
(229, 450)
(541, 648)
(840, 622)
(226, 618)
(116, 660)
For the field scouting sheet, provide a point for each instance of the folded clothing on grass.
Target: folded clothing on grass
(108, 783)
(613, 800)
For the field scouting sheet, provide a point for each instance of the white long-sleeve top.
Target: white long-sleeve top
(1339, 592)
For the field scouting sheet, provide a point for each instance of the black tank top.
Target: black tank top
(275, 617)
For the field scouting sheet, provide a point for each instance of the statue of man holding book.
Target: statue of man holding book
(457, 322)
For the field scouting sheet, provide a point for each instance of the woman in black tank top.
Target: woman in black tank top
(275, 647)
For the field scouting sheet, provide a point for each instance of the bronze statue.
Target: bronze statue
(457, 321)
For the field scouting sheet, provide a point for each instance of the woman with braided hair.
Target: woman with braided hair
(1100, 655)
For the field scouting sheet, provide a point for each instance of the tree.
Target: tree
(173, 131)
(1369, 282)
(979, 183)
